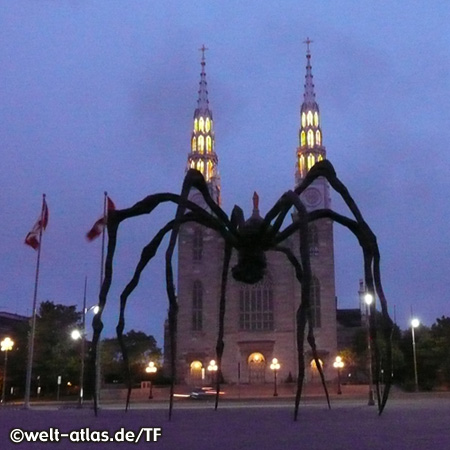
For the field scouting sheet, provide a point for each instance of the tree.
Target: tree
(55, 352)
(141, 349)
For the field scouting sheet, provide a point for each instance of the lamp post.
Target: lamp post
(368, 299)
(151, 369)
(76, 334)
(6, 345)
(212, 369)
(414, 324)
(275, 366)
(338, 365)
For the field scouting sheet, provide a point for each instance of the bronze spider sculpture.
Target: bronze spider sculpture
(251, 240)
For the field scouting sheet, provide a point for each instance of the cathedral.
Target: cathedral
(260, 321)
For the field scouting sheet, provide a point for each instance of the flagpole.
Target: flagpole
(33, 317)
(102, 263)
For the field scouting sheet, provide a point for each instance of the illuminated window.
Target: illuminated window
(209, 171)
(201, 167)
(309, 118)
(196, 370)
(197, 245)
(315, 303)
(195, 124)
(208, 144)
(320, 158)
(310, 138)
(303, 120)
(302, 139)
(201, 144)
(207, 124)
(313, 236)
(192, 164)
(311, 161)
(256, 307)
(301, 164)
(318, 138)
(201, 124)
(316, 119)
(197, 306)
(194, 144)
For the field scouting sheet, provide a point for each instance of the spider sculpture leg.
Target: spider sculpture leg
(304, 276)
(145, 206)
(368, 242)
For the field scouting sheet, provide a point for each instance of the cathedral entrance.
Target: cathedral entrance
(256, 368)
(196, 372)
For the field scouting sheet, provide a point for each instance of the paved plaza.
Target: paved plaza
(412, 421)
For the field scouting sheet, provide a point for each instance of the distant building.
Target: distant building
(11, 323)
(260, 319)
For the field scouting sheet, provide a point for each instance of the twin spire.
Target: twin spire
(203, 156)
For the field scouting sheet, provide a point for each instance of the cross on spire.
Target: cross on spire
(203, 49)
(307, 42)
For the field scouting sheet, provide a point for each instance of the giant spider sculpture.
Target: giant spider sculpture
(251, 240)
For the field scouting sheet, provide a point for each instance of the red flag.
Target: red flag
(99, 226)
(32, 238)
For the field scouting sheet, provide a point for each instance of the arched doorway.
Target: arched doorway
(314, 370)
(256, 368)
(196, 372)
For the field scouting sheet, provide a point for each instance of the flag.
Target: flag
(32, 238)
(99, 226)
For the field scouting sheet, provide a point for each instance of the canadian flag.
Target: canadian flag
(32, 238)
(99, 226)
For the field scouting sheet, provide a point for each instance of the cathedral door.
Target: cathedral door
(256, 368)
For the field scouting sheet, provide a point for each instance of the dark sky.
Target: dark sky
(99, 95)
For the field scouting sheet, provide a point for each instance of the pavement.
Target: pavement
(410, 421)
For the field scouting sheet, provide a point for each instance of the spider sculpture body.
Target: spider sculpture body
(251, 239)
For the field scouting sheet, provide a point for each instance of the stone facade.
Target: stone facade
(260, 321)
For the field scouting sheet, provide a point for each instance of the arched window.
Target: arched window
(313, 236)
(201, 166)
(315, 302)
(316, 119)
(197, 306)
(256, 306)
(208, 144)
(311, 161)
(207, 125)
(195, 124)
(192, 164)
(301, 164)
(320, 158)
(201, 144)
(209, 171)
(302, 139)
(201, 124)
(303, 120)
(310, 138)
(197, 245)
(309, 118)
(318, 138)
(194, 144)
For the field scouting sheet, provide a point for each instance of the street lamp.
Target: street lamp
(414, 324)
(275, 366)
(77, 334)
(6, 345)
(151, 369)
(338, 365)
(368, 299)
(212, 369)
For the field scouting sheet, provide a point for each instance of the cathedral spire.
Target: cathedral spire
(310, 148)
(202, 155)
